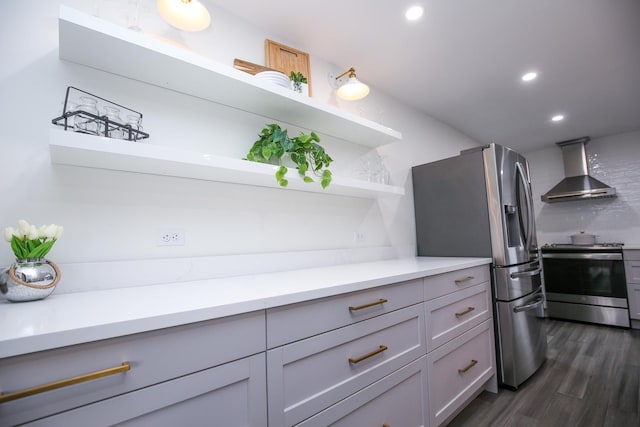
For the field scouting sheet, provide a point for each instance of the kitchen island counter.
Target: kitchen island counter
(79, 317)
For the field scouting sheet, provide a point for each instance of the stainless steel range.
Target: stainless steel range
(586, 283)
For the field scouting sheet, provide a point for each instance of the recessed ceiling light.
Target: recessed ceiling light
(414, 13)
(557, 118)
(529, 76)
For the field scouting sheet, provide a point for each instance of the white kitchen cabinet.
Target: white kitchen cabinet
(346, 359)
(458, 371)
(460, 340)
(230, 395)
(310, 375)
(632, 272)
(398, 399)
(84, 39)
(154, 357)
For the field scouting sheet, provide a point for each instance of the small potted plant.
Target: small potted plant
(275, 145)
(31, 276)
(297, 80)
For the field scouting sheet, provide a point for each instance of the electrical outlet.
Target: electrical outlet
(359, 236)
(170, 237)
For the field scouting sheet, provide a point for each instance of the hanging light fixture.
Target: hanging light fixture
(187, 15)
(353, 89)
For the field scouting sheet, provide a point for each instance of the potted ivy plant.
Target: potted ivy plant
(275, 145)
(298, 79)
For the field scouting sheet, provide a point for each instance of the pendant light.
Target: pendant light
(187, 15)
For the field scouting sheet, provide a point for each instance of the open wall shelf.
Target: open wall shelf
(91, 41)
(77, 149)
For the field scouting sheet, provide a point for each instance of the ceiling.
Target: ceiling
(462, 61)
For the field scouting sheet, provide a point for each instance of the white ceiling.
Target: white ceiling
(462, 62)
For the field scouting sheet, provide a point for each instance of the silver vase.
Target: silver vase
(29, 279)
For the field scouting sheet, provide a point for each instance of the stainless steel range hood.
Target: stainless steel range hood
(577, 185)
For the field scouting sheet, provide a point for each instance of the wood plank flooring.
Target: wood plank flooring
(591, 378)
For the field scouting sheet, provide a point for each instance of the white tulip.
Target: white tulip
(33, 233)
(8, 233)
(50, 231)
(23, 228)
(42, 231)
(59, 232)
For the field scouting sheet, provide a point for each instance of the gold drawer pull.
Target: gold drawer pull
(64, 383)
(371, 304)
(469, 366)
(466, 279)
(368, 355)
(467, 311)
(385, 425)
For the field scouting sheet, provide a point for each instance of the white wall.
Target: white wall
(111, 215)
(614, 160)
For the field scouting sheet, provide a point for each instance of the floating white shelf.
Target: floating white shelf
(91, 41)
(76, 149)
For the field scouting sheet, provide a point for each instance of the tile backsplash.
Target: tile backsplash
(614, 160)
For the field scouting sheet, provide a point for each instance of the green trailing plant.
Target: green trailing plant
(297, 78)
(304, 151)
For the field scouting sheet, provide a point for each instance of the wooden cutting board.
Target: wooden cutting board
(287, 59)
(249, 67)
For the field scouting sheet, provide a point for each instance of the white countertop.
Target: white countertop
(73, 318)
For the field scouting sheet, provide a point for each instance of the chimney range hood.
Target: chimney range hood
(577, 185)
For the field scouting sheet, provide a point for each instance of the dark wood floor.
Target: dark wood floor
(591, 378)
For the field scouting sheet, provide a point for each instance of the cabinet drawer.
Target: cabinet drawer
(154, 356)
(450, 315)
(231, 395)
(310, 375)
(459, 369)
(443, 284)
(396, 400)
(303, 320)
(634, 300)
(631, 254)
(632, 270)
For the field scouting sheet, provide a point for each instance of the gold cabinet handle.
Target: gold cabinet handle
(368, 355)
(467, 311)
(371, 304)
(469, 366)
(385, 425)
(466, 279)
(64, 383)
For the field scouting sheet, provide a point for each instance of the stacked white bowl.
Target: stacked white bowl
(275, 77)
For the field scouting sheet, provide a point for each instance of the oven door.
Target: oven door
(597, 275)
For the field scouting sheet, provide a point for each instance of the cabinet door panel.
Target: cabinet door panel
(303, 320)
(633, 271)
(398, 399)
(450, 315)
(458, 370)
(634, 300)
(229, 395)
(154, 356)
(446, 283)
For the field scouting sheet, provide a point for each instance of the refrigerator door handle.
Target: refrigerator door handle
(532, 305)
(529, 200)
(527, 273)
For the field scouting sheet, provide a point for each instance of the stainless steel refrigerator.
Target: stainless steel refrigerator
(479, 204)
